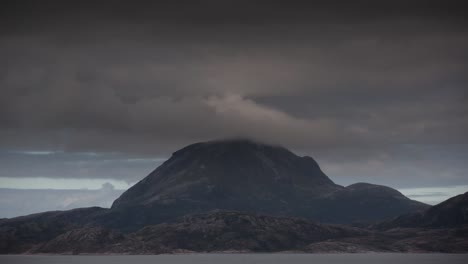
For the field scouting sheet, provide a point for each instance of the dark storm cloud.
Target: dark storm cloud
(209, 12)
(146, 78)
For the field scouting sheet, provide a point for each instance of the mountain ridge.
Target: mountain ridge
(245, 175)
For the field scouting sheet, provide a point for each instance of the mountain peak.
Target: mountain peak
(230, 144)
(229, 171)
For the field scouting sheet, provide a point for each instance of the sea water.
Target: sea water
(378, 258)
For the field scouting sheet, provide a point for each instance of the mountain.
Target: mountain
(451, 213)
(245, 175)
(266, 198)
(239, 173)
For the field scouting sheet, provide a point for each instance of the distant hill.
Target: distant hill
(19, 234)
(364, 203)
(448, 214)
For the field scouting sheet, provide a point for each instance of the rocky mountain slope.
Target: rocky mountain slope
(211, 232)
(229, 231)
(249, 176)
(235, 231)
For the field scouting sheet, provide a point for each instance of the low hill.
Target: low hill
(448, 214)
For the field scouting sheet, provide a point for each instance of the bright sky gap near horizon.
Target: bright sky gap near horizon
(93, 97)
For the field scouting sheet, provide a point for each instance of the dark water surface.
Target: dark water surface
(245, 258)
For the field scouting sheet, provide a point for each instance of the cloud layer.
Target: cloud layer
(352, 89)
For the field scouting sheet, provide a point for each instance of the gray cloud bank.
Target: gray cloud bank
(370, 91)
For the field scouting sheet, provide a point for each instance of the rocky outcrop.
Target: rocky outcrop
(229, 231)
(20, 233)
(84, 240)
(220, 231)
(235, 231)
(398, 240)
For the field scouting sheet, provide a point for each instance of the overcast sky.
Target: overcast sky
(103, 93)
